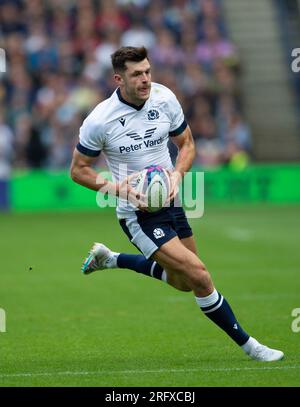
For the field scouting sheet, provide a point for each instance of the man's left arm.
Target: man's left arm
(186, 155)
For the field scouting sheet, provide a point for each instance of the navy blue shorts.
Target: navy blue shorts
(148, 231)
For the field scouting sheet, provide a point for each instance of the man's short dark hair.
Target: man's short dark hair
(127, 54)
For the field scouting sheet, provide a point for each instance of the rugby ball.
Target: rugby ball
(154, 182)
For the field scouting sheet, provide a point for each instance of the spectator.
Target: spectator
(210, 152)
(6, 148)
(110, 42)
(214, 47)
(237, 138)
(36, 152)
(166, 53)
(138, 35)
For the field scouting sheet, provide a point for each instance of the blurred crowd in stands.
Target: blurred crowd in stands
(59, 68)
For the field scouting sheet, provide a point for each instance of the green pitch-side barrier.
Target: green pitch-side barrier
(43, 190)
(259, 183)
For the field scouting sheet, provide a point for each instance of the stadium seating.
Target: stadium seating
(59, 68)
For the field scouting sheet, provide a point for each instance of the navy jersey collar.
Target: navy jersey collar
(128, 103)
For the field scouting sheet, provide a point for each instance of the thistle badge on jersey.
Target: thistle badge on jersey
(158, 233)
(153, 114)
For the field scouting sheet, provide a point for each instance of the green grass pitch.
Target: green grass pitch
(119, 328)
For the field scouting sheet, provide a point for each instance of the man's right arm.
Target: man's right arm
(82, 172)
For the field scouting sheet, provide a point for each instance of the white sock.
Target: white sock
(111, 262)
(249, 345)
(164, 277)
(211, 299)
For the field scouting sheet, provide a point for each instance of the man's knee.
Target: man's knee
(191, 267)
(194, 273)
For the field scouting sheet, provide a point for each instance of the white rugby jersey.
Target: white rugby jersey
(132, 137)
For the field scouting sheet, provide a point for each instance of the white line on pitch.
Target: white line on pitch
(243, 235)
(116, 372)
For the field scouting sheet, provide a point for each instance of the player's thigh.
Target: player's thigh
(176, 258)
(170, 263)
(189, 243)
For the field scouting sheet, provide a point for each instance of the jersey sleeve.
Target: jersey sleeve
(90, 139)
(178, 123)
